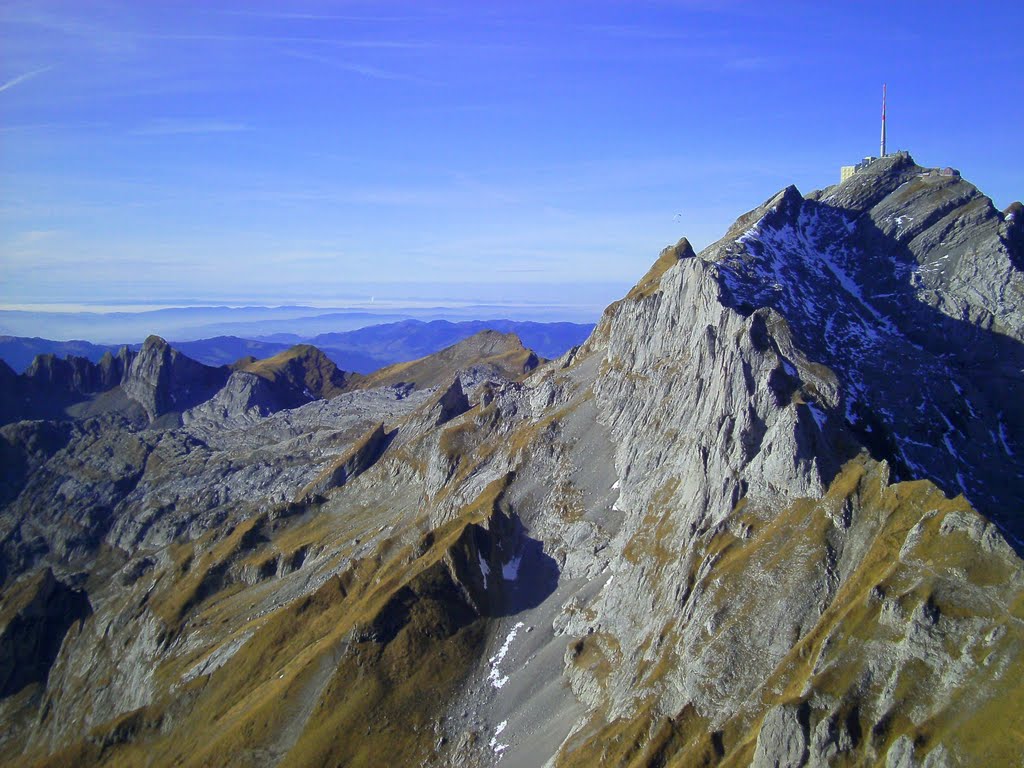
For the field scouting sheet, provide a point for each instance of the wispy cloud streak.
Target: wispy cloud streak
(297, 16)
(170, 127)
(339, 42)
(357, 68)
(22, 78)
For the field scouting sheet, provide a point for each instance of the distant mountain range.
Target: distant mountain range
(361, 351)
(111, 325)
(188, 323)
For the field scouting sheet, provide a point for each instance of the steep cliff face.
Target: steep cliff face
(164, 381)
(737, 526)
(32, 628)
(51, 384)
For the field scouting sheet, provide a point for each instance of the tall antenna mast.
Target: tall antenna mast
(882, 153)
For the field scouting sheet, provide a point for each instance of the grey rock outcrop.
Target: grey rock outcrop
(452, 402)
(244, 398)
(366, 450)
(112, 367)
(782, 741)
(164, 381)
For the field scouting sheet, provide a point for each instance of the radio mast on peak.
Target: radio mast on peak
(882, 152)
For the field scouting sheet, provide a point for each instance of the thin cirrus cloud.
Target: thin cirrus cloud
(370, 43)
(299, 16)
(179, 127)
(23, 78)
(357, 68)
(33, 29)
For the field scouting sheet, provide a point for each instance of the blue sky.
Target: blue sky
(329, 151)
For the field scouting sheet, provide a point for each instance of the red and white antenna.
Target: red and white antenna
(882, 153)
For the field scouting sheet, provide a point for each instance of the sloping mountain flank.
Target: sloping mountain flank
(738, 526)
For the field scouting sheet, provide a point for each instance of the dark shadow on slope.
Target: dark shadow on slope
(528, 578)
(32, 638)
(505, 570)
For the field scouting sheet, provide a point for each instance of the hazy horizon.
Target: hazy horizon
(129, 324)
(373, 296)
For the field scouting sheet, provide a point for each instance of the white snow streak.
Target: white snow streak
(495, 676)
(949, 446)
(498, 748)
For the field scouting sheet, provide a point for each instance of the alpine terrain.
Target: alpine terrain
(768, 514)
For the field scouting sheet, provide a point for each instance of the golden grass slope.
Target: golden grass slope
(931, 571)
(358, 669)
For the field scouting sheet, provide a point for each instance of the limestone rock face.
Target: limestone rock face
(766, 515)
(163, 380)
(453, 402)
(244, 398)
(113, 367)
(782, 741)
(74, 374)
(357, 460)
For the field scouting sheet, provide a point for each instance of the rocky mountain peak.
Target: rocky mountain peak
(112, 368)
(899, 269)
(258, 388)
(666, 259)
(738, 526)
(163, 381)
(487, 353)
(303, 369)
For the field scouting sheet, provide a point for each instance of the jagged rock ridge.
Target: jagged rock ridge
(904, 284)
(696, 539)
